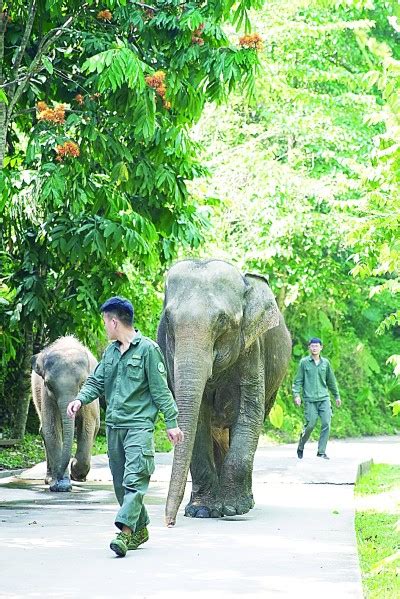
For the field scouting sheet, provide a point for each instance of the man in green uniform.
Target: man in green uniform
(314, 377)
(132, 377)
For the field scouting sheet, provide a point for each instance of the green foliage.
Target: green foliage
(276, 416)
(25, 455)
(290, 170)
(98, 101)
(376, 236)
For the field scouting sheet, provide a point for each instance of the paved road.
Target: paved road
(298, 540)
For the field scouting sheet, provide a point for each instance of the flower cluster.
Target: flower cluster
(53, 115)
(197, 33)
(254, 41)
(67, 149)
(149, 12)
(157, 82)
(79, 99)
(104, 15)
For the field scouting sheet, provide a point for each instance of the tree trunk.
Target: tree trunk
(3, 109)
(22, 394)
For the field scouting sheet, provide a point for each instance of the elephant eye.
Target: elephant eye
(49, 386)
(222, 319)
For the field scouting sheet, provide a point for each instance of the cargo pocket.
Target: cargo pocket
(148, 461)
(134, 369)
(139, 449)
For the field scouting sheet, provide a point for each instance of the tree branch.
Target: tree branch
(13, 82)
(25, 39)
(142, 5)
(339, 64)
(35, 65)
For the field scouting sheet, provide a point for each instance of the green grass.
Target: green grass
(379, 479)
(28, 453)
(378, 535)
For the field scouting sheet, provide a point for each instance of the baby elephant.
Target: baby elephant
(59, 370)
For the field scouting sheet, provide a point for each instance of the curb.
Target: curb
(10, 473)
(363, 468)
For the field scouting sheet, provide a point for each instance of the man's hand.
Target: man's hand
(175, 435)
(73, 408)
(338, 402)
(297, 400)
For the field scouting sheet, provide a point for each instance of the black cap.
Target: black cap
(315, 340)
(117, 303)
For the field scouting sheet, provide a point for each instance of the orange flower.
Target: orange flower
(149, 13)
(53, 115)
(167, 105)
(156, 82)
(253, 41)
(199, 29)
(41, 106)
(79, 99)
(104, 15)
(197, 40)
(67, 149)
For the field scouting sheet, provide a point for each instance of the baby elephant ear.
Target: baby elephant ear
(37, 364)
(261, 312)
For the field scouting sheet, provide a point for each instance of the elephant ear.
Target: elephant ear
(261, 312)
(37, 364)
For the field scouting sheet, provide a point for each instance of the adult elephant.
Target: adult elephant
(58, 372)
(227, 349)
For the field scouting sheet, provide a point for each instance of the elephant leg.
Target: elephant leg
(236, 493)
(203, 503)
(86, 430)
(52, 436)
(48, 478)
(221, 447)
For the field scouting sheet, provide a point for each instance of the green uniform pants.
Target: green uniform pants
(131, 457)
(313, 410)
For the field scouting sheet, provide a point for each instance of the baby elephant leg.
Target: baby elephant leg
(87, 426)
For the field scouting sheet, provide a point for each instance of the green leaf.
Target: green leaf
(3, 97)
(276, 416)
(47, 65)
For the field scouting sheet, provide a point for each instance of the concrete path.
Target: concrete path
(298, 540)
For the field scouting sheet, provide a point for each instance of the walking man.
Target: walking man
(314, 377)
(132, 377)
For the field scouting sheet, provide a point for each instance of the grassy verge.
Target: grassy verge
(28, 453)
(377, 528)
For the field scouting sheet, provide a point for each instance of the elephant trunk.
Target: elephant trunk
(190, 376)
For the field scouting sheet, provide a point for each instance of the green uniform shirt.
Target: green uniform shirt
(134, 385)
(315, 380)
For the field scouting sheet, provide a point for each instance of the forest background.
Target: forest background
(136, 134)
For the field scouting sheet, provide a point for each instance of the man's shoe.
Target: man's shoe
(120, 544)
(300, 453)
(322, 455)
(138, 538)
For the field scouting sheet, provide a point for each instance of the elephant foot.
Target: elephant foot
(79, 470)
(49, 479)
(202, 509)
(236, 506)
(61, 486)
